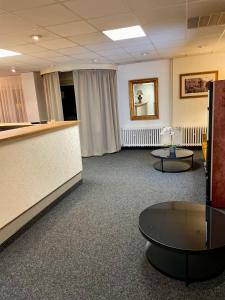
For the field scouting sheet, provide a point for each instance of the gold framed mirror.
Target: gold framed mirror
(143, 96)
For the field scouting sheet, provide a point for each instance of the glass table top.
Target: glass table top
(179, 153)
(183, 225)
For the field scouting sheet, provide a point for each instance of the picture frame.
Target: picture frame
(143, 99)
(195, 85)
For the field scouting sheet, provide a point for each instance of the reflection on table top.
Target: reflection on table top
(184, 225)
(165, 153)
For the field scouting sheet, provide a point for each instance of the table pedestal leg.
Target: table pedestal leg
(186, 271)
(185, 266)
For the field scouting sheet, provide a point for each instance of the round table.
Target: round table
(186, 240)
(173, 162)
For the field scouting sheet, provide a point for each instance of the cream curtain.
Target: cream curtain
(53, 96)
(12, 104)
(96, 100)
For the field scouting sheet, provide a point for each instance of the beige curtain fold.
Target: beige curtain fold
(12, 103)
(97, 108)
(53, 96)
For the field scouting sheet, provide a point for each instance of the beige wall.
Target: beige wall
(193, 111)
(39, 86)
(30, 97)
(172, 110)
(159, 69)
(33, 90)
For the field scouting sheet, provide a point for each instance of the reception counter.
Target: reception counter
(39, 163)
(8, 126)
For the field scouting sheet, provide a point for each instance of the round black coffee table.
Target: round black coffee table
(173, 163)
(186, 240)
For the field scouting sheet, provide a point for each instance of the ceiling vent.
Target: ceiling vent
(204, 21)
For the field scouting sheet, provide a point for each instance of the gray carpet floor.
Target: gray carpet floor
(88, 246)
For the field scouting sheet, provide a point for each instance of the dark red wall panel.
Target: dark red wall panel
(218, 146)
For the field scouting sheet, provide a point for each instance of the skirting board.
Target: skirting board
(10, 229)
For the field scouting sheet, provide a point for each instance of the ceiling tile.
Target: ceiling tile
(161, 19)
(97, 8)
(11, 40)
(115, 21)
(171, 51)
(102, 60)
(73, 50)
(205, 31)
(220, 46)
(90, 56)
(21, 38)
(146, 55)
(28, 48)
(90, 38)
(47, 54)
(205, 41)
(164, 22)
(102, 46)
(49, 15)
(163, 42)
(72, 60)
(133, 42)
(113, 52)
(45, 36)
(203, 8)
(8, 60)
(56, 44)
(171, 28)
(144, 6)
(120, 56)
(13, 24)
(98, 61)
(120, 61)
(72, 28)
(167, 43)
(27, 59)
(183, 51)
(222, 38)
(61, 59)
(140, 48)
(13, 5)
(197, 51)
(133, 45)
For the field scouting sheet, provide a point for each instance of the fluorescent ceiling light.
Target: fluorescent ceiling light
(5, 53)
(125, 33)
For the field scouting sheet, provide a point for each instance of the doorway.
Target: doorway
(68, 96)
(69, 103)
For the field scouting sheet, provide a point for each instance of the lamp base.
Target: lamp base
(139, 99)
(172, 150)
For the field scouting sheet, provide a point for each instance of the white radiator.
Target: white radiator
(192, 136)
(141, 137)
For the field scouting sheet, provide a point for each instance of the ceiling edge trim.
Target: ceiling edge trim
(71, 67)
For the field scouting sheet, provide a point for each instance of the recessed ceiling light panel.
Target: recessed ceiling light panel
(125, 33)
(6, 53)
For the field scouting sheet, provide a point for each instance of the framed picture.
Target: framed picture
(143, 96)
(195, 85)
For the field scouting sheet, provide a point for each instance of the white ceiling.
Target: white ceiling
(71, 31)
